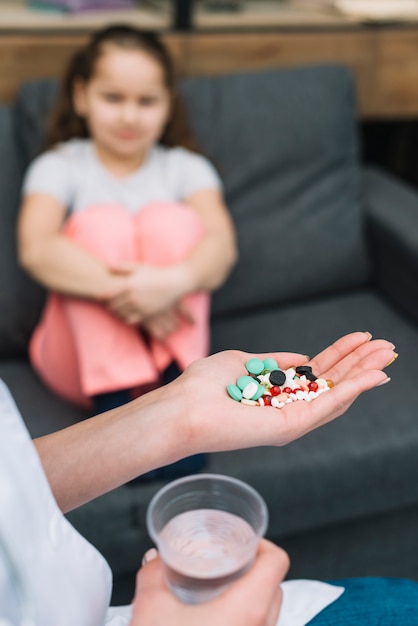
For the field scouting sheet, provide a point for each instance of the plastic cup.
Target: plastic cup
(207, 528)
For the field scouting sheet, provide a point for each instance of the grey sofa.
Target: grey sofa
(326, 247)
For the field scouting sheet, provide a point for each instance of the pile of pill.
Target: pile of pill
(267, 384)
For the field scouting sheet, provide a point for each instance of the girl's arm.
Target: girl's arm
(100, 453)
(212, 259)
(55, 261)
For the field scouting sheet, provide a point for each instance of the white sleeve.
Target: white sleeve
(194, 172)
(118, 615)
(49, 173)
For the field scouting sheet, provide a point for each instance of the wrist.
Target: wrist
(161, 433)
(110, 286)
(183, 279)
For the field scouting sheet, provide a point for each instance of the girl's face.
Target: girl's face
(126, 103)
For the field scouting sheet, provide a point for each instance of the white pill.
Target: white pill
(250, 390)
(264, 378)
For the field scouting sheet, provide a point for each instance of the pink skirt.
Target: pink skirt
(79, 348)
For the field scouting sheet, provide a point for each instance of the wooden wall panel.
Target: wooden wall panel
(384, 60)
(397, 73)
(26, 57)
(215, 54)
(23, 57)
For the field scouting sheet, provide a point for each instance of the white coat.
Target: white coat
(49, 574)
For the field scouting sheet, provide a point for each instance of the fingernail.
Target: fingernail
(392, 360)
(366, 332)
(387, 380)
(149, 556)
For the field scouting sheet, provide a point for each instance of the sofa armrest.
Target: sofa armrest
(391, 210)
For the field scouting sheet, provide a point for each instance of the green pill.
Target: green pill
(243, 381)
(254, 366)
(270, 364)
(234, 392)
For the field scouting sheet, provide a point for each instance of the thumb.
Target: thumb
(124, 268)
(151, 574)
(185, 313)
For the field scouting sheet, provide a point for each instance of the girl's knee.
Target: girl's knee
(167, 231)
(104, 230)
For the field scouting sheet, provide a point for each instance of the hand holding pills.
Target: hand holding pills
(354, 364)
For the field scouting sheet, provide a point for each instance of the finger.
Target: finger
(149, 555)
(260, 587)
(129, 315)
(276, 605)
(185, 313)
(303, 417)
(152, 595)
(162, 326)
(117, 304)
(150, 576)
(122, 268)
(171, 321)
(376, 355)
(341, 348)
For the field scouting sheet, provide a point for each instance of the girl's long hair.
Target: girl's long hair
(65, 123)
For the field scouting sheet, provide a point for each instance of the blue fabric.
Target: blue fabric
(106, 401)
(372, 602)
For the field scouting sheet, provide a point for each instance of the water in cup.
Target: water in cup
(207, 528)
(206, 549)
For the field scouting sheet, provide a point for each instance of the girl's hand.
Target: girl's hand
(212, 421)
(161, 325)
(148, 291)
(253, 600)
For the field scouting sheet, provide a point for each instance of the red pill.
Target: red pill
(267, 400)
(287, 390)
(275, 390)
(313, 386)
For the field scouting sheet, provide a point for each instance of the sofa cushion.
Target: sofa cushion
(19, 296)
(33, 104)
(286, 144)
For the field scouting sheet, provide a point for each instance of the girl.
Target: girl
(124, 225)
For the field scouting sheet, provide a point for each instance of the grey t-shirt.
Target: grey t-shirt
(73, 174)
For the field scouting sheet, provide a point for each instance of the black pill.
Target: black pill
(277, 377)
(306, 370)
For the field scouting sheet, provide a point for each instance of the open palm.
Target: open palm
(215, 422)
